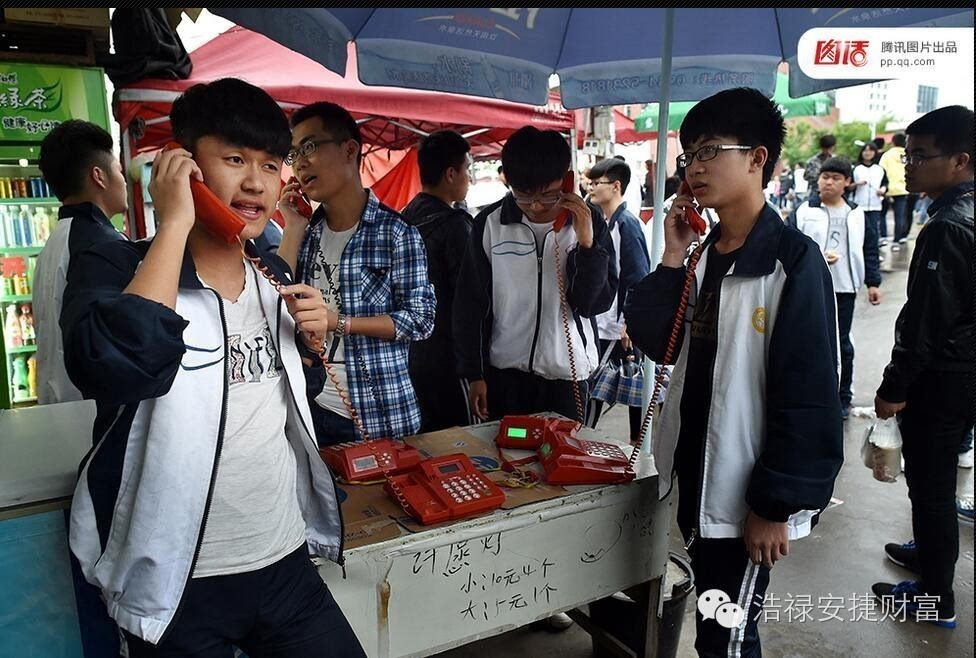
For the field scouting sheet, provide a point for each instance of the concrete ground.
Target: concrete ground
(843, 556)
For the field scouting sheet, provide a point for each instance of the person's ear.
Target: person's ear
(759, 157)
(962, 162)
(352, 150)
(99, 177)
(450, 175)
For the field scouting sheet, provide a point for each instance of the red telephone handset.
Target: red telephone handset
(302, 205)
(214, 213)
(568, 187)
(692, 218)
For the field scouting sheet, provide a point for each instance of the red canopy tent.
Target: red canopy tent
(391, 118)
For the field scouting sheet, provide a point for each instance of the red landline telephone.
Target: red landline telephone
(567, 459)
(356, 462)
(528, 432)
(444, 489)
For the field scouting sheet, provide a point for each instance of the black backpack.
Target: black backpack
(145, 47)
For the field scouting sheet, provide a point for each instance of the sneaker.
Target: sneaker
(883, 242)
(896, 247)
(918, 606)
(966, 459)
(845, 412)
(904, 555)
(964, 510)
(560, 622)
(903, 241)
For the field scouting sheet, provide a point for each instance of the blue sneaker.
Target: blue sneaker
(918, 606)
(964, 510)
(904, 555)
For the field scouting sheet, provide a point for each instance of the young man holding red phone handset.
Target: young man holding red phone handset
(510, 342)
(196, 510)
(751, 426)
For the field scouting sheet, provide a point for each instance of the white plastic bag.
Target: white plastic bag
(882, 450)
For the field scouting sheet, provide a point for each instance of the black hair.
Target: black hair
(898, 139)
(620, 157)
(69, 152)
(439, 152)
(827, 142)
(237, 112)
(743, 114)
(837, 165)
(879, 143)
(671, 185)
(534, 158)
(868, 145)
(335, 119)
(500, 169)
(951, 129)
(614, 170)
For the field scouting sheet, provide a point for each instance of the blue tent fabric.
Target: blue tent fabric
(603, 56)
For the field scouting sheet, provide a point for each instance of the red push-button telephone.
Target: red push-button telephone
(355, 462)
(445, 488)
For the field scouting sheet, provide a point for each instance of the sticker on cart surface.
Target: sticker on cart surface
(485, 463)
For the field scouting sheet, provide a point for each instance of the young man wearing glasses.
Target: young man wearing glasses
(751, 425)
(929, 381)
(608, 183)
(509, 336)
(372, 270)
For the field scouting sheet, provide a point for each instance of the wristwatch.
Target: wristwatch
(341, 325)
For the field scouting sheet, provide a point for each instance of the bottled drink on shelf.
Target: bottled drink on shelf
(12, 335)
(27, 325)
(5, 192)
(27, 221)
(21, 380)
(32, 377)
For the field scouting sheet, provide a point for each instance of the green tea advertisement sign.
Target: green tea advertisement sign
(34, 98)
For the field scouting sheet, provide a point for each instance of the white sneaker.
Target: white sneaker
(560, 622)
(966, 459)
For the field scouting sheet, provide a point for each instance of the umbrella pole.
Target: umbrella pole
(660, 174)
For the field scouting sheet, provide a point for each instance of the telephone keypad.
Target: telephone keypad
(606, 450)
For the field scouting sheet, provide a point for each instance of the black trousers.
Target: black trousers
(515, 392)
(283, 610)
(937, 416)
(845, 316)
(442, 398)
(724, 565)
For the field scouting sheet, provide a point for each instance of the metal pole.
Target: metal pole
(657, 228)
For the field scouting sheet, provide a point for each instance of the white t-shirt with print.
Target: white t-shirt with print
(837, 241)
(254, 518)
(326, 263)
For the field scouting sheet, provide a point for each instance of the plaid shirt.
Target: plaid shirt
(383, 272)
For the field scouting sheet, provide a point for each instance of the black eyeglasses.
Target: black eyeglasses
(916, 159)
(706, 153)
(308, 148)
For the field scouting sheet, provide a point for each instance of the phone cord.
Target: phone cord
(319, 346)
(679, 320)
(563, 309)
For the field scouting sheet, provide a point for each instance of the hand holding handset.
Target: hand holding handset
(213, 213)
(568, 187)
(692, 217)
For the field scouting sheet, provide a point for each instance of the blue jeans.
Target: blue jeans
(331, 428)
(902, 220)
